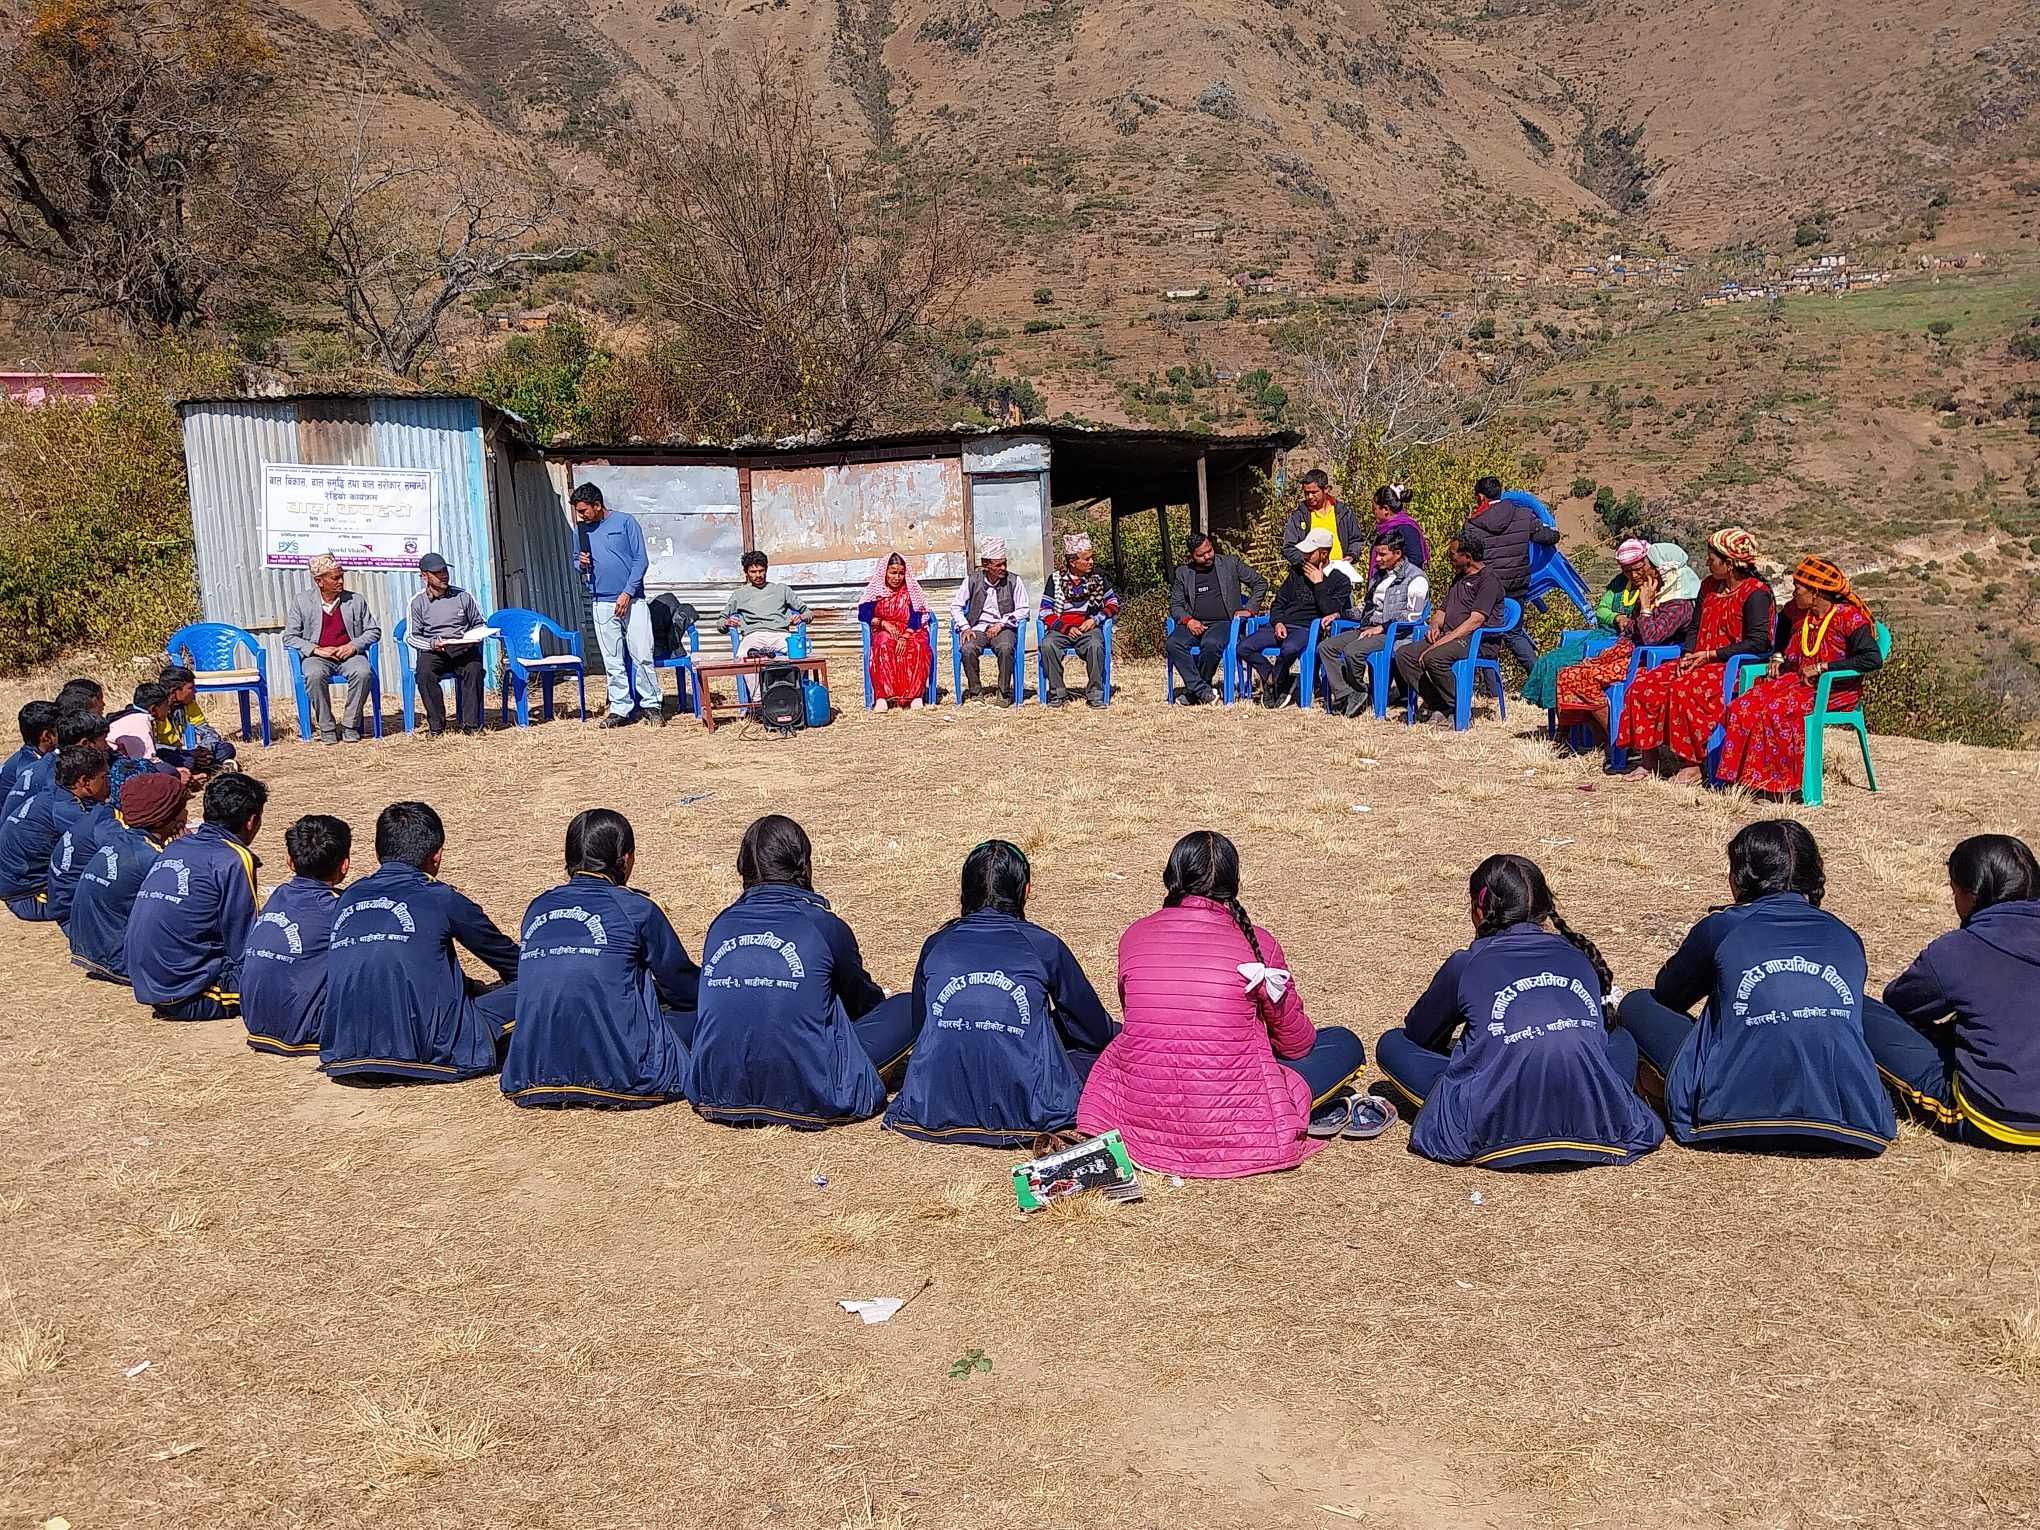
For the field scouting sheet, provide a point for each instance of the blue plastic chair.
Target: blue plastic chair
(682, 665)
(407, 678)
(1468, 670)
(864, 655)
(1228, 663)
(1378, 661)
(524, 659)
(304, 700)
(212, 652)
(1641, 658)
(1041, 662)
(1550, 569)
(1019, 663)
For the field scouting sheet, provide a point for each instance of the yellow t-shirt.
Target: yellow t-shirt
(1327, 521)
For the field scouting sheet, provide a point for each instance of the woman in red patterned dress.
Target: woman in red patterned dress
(1666, 590)
(1672, 709)
(1827, 627)
(901, 653)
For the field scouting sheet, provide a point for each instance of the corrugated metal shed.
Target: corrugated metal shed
(504, 546)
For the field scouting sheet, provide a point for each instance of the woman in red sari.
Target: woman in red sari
(1665, 591)
(900, 653)
(1672, 709)
(1827, 627)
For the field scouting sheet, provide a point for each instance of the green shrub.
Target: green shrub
(1583, 488)
(1917, 694)
(96, 522)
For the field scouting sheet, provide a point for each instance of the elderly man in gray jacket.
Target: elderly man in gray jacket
(329, 626)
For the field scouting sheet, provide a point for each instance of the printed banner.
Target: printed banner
(366, 517)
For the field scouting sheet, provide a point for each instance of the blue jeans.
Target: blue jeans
(613, 637)
(1334, 1057)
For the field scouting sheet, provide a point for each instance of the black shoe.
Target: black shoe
(619, 719)
(1058, 701)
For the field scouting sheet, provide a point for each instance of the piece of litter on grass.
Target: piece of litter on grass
(1586, 786)
(1368, 759)
(1527, 774)
(58, 1523)
(691, 798)
(876, 1309)
(1555, 843)
(819, 1181)
(1117, 876)
(137, 1368)
(1478, 1199)
(1175, 1181)
(173, 1452)
(1464, 1285)
(1361, 807)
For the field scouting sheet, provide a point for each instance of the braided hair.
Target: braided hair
(1510, 889)
(1205, 864)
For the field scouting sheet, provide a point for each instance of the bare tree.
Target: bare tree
(1400, 376)
(393, 242)
(796, 285)
(132, 160)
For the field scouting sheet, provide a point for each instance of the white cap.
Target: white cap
(1314, 539)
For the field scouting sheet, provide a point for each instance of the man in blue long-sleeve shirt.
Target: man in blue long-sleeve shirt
(613, 563)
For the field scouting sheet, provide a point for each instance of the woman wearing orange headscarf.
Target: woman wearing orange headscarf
(1827, 627)
(1673, 709)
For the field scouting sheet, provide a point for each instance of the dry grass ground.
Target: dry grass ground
(423, 1307)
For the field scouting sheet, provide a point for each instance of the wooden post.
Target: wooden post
(744, 506)
(1203, 512)
(1162, 526)
(1118, 558)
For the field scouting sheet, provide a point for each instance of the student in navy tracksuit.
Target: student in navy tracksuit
(73, 849)
(605, 991)
(1536, 1075)
(151, 815)
(33, 764)
(1779, 1052)
(397, 1004)
(192, 912)
(1006, 1024)
(283, 968)
(1958, 1034)
(787, 1031)
(29, 835)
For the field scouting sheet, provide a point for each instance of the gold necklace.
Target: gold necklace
(1820, 638)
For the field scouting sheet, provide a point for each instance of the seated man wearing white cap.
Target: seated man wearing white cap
(1074, 607)
(1309, 593)
(990, 605)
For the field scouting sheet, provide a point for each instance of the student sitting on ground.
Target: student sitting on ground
(33, 766)
(30, 834)
(790, 1031)
(283, 970)
(74, 848)
(605, 992)
(397, 1004)
(191, 916)
(1535, 1076)
(1217, 1068)
(1006, 1024)
(152, 813)
(1957, 1036)
(82, 695)
(183, 712)
(1779, 1052)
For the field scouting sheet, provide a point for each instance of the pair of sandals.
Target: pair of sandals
(1358, 1116)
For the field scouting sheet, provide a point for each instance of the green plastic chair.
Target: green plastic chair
(1822, 718)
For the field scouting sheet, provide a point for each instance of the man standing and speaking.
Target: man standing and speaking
(614, 564)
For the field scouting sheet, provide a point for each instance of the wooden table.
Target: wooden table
(706, 670)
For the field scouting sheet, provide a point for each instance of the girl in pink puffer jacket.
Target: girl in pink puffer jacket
(1218, 1067)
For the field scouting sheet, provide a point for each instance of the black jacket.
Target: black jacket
(1298, 600)
(1510, 527)
(1238, 583)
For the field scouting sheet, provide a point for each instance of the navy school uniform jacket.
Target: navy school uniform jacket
(26, 773)
(600, 969)
(998, 1004)
(1530, 1080)
(1987, 976)
(67, 861)
(781, 981)
(397, 1005)
(191, 918)
(27, 837)
(106, 895)
(283, 968)
(1779, 1051)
